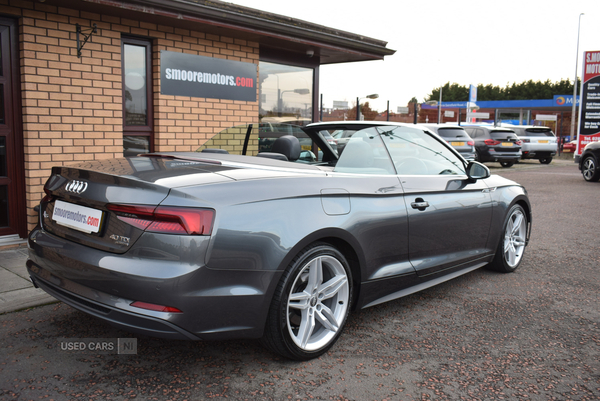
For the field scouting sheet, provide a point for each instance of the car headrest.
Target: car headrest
(287, 145)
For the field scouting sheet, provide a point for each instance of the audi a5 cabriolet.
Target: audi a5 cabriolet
(268, 232)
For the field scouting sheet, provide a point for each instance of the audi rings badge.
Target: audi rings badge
(76, 187)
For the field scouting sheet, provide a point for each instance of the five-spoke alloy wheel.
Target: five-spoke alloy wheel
(512, 245)
(310, 305)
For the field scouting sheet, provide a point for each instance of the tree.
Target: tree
(523, 91)
(365, 110)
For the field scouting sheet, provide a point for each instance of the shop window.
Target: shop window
(286, 94)
(137, 97)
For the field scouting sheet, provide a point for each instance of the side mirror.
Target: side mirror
(477, 171)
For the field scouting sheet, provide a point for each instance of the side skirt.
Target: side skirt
(425, 285)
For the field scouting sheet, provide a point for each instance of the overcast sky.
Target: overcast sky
(467, 42)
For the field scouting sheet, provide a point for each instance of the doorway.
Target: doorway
(12, 172)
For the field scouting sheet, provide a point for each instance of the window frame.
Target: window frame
(148, 129)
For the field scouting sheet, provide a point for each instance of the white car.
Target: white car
(538, 142)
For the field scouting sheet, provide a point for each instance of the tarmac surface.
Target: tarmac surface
(530, 335)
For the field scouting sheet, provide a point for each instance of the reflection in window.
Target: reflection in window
(3, 171)
(134, 145)
(136, 102)
(4, 206)
(285, 94)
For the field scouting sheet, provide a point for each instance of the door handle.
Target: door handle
(420, 204)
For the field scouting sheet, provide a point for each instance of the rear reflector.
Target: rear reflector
(166, 219)
(154, 307)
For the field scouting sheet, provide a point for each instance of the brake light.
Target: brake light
(471, 143)
(166, 219)
(492, 142)
(519, 142)
(154, 307)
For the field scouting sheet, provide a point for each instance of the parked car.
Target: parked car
(219, 244)
(570, 147)
(342, 136)
(495, 144)
(589, 163)
(538, 142)
(457, 137)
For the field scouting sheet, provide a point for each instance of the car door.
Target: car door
(448, 217)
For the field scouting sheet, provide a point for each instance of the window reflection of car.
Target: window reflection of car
(457, 137)
(342, 136)
(230, 242)
(135, 145)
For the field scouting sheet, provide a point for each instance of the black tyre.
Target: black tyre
(546, 160)
(507, 164)
(310, 305)
(511, 247)
(589, 169)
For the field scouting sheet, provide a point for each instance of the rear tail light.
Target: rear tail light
(519, 142)
(166, 219)
(492, 142)
(526, 140)
(471, 143)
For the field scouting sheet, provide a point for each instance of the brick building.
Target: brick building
(85, 79)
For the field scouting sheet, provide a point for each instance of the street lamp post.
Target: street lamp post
(373, 96)
(301, 91)
(573, 111)
(440, 107)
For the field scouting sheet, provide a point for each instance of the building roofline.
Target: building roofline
(262, 24)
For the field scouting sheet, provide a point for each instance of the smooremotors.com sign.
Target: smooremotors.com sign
(198, 76)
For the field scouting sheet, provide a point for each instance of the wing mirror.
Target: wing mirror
(477, 171)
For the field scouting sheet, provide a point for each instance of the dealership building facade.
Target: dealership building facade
(93, 79)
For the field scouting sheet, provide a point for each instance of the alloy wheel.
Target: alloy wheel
(317, 303)
(514, 238)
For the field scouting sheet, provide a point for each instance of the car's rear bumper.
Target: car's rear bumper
(537, 154)
(214, 304)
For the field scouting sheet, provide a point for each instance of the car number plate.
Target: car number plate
(507, 144)
(78, 217)
(457, 143)
(542, 141)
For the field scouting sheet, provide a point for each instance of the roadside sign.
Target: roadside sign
(546, 117)
(478, 115)
(589, 111)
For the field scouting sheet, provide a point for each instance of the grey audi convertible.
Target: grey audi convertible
(269, 232)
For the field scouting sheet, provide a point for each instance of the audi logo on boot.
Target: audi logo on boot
(76, 187)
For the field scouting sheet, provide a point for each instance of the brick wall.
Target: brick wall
(72, 107)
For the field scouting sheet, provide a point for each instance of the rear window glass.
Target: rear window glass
(538, 132)
(502, 134)
(452, 133)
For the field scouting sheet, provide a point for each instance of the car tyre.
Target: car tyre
(545, 160)
(589, 169)
(311, 304)
(507, 164)
(511, 248)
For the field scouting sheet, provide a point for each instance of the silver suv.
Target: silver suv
(538, 142)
